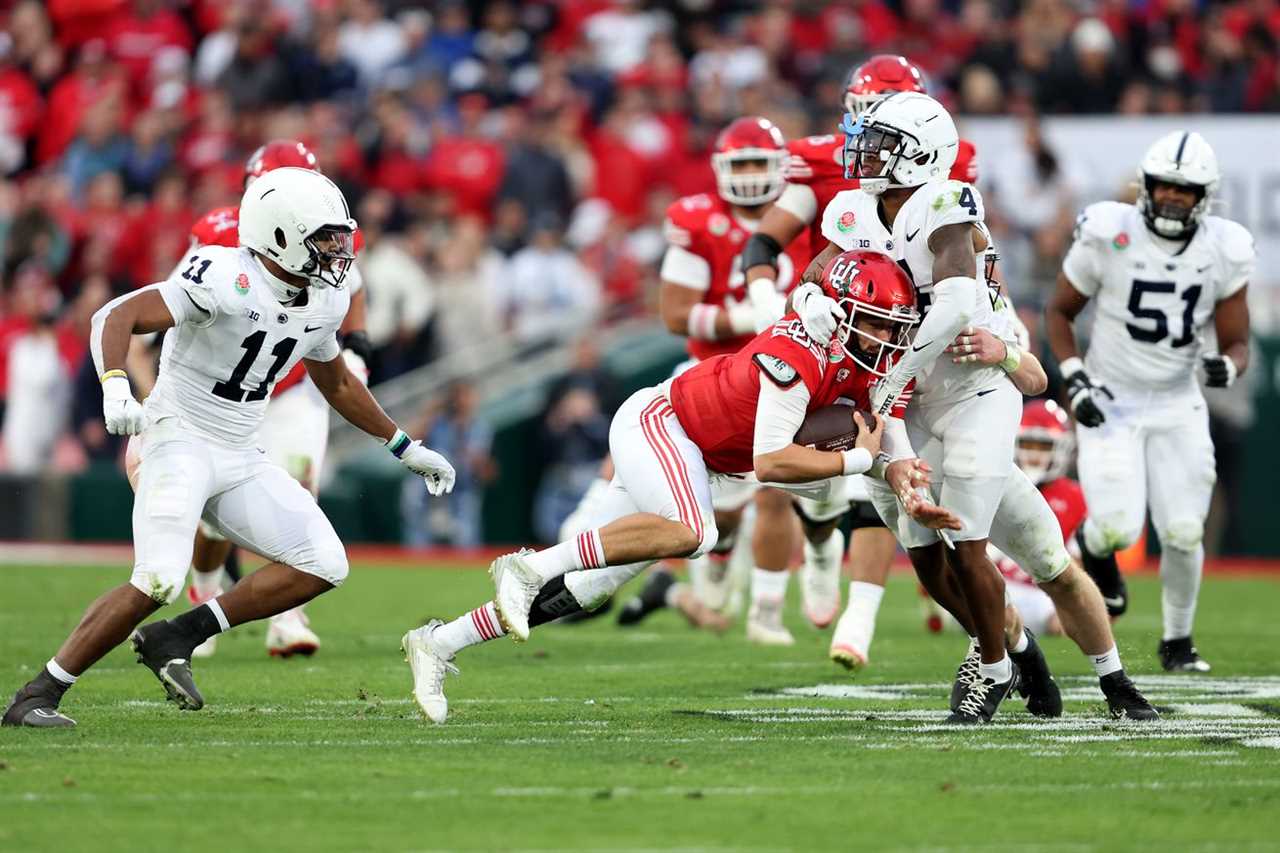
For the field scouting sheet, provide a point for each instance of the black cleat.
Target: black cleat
(1105, 572)
(982, 698)
(1036, 683)
(1124, 699)
(652, 597)
(1181, 656)
(35, 708)
(166, 651)
(967, 671)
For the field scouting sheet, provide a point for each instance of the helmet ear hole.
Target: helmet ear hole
(280, 239)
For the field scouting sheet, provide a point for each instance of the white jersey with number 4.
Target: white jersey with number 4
(852, 221)
(231, 341)
(1154, 295)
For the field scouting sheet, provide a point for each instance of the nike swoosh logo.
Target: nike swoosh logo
(985, 393)
(912, 235)
(1113, 602)
(312, 328)
(918, 348)
(1202, 269)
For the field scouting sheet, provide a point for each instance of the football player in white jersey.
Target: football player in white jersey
(1160, 271)
(964, 416)
(240, 318)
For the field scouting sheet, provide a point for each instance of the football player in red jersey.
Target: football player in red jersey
(731, 416)
(815, 174)
(295, 431)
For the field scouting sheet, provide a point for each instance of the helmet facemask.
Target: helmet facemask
(870, 351)
(872, 153)
(1043, 455)
(332, 252)
(1172, 221)
(749, 188)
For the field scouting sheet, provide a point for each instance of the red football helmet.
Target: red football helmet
(879, 77)
(1045, 442)
(749, 140)
(877, 298)
(278, 153)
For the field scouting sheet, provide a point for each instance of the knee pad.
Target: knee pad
(1107, 534)
(1182, 535)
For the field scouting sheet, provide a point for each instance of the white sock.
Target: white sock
(1180, 586)
(469, 629)
(207, 585)
(826, 556)
(768, 586)
(583, 551)
(1021, 646)
(1001, 670)
(864, 604)
(1107, 662)
(59, 673)
(672, 596)
(580, 518)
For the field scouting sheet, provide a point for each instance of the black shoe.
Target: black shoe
(1036, 685)
(36, 707)
(982, 699)
(1105, 572)
(966, 672)
(1124, 698)
(652, 597)
(1181, 656)
(166, 651)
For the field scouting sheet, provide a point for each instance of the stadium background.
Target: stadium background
(510, 164)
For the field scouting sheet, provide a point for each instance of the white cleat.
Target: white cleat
(289, 634)
(820, 580)
(429, 667)
(764, 625)
(516, 584)
(846, 650)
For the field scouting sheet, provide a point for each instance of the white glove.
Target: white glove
(356, 365)
(434, 468)
(767, 304)
(819, 313)
(123, 414)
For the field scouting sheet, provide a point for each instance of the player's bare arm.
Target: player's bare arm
(1231, 322)
(1059, 318)
(684, 313)
(349, 397)
(813, 272)
(777, 229)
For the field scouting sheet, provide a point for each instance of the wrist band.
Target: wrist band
(112, 374)
(399, 443)
(1069, 367)
(1013, 357)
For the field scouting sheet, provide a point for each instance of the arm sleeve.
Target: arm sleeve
(896, 442)
(682, 267)
(779, 414)
(800, 201)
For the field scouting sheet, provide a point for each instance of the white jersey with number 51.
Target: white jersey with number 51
(1154, 295)
(852, 221)
(232, 340)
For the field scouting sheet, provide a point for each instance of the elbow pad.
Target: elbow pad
(761, 250)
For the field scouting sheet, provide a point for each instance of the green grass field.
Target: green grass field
(657, 738)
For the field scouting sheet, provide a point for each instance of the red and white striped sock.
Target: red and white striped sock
(583, 551)
(469, 629)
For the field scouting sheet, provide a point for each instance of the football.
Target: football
(830, 428)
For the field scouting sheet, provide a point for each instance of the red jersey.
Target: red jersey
(818, 163)
(1066, 499)
(705, 225)
(715, 400)
(221, 227)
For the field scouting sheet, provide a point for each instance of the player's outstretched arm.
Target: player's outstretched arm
(1059, 316)
(110, 333)
(351, 399)
(1231, 322)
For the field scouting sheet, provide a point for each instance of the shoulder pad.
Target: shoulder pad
(779, 372)
(1103, 221)
(1233, 240)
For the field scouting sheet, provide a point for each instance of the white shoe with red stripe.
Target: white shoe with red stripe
(289, 634)
(764, 625)
(516, 584)
(429, 666)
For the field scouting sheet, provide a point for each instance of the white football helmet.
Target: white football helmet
(904, 140)
(299, 219)
(1184, 158)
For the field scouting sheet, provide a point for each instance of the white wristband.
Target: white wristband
(1069, 367)
(741, 318)
(856, 461)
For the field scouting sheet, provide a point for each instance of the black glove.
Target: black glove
(358, 343)
(1219, 370)
(1084, 395)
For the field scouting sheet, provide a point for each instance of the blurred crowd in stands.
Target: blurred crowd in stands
(509, 162)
